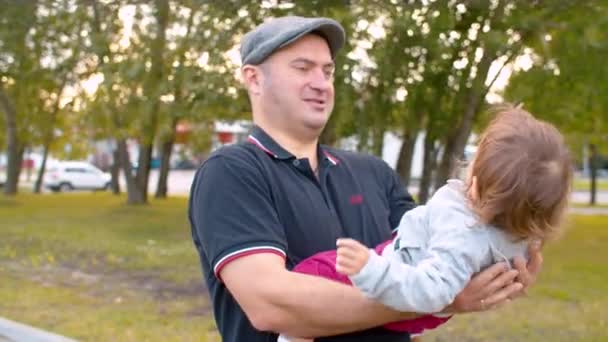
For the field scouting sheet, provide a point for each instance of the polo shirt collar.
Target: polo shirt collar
(328, 156)
(263, 141)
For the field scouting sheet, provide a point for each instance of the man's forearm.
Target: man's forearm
(313, 306)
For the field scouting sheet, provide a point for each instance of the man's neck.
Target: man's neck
(301, 147)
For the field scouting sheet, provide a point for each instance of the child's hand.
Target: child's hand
(351, 256)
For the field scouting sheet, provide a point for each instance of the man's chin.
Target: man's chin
(315, 125)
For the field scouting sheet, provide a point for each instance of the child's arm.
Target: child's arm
(426, 288)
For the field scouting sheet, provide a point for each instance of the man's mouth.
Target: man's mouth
(316, 102)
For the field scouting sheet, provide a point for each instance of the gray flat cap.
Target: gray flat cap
(276, 33)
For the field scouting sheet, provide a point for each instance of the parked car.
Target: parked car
(75, 175)
(184, 164)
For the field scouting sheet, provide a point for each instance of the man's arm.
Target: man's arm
(275, 299)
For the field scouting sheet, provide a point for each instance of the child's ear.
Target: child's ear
(474, 192)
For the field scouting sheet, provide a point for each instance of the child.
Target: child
(516, 191)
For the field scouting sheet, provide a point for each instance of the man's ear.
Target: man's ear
(252, 78)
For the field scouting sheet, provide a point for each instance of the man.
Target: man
(259, 208)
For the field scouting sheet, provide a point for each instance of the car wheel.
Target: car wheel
(65, 187)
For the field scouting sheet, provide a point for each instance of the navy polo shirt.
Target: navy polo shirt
(256, 197)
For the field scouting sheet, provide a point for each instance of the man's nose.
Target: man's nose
(319, 80)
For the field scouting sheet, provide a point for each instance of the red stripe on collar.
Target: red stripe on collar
(256, 142)
(331, 158)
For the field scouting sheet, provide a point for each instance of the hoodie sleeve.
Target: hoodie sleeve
(451, 259)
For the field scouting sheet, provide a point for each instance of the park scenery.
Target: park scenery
(107, 108)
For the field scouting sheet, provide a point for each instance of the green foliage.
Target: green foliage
(407, 66)
(40, 50)
(567, 84)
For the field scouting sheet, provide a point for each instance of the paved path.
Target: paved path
(601, 211)
(179, 182)
(17, 332)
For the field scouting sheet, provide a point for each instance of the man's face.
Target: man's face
(298, 90)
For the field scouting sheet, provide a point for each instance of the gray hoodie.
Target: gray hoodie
(438, 247)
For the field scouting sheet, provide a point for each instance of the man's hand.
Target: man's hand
(351, 256)
(528, 273)
(497, 285)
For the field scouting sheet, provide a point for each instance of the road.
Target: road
(180, 180)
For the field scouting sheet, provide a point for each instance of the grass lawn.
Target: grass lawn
(89, 267)
(567, 304)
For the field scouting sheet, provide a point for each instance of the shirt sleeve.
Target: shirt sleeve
(232, 212)
(433, 283)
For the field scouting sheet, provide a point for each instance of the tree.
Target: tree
(64, 31)
(38, 40)
(17, 60)
(566, 85)
(199, 93)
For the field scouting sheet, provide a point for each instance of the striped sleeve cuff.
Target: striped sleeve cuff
(228, 258)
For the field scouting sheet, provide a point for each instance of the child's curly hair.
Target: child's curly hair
(523, 174)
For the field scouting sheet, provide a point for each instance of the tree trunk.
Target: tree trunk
(328, 135)
(361, 117)
(143, 174)
(593, 166)
(406, 153)
(48, 138)
(133, 196)
(14, 149)
(428, 168)
(166, 150)
(161, 187)
(13, 169)
(363, 143)
(115, 172)
(103, 51)
(378, 141)
(152, 89)
(41, 171)
(457, 141)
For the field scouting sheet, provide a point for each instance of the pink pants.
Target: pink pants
(324, 265)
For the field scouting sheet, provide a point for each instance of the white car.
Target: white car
(76, 175)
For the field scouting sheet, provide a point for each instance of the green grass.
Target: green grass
(568, 303)
(90, 267)
(583, 184)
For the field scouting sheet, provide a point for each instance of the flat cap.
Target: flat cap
(276, 33)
